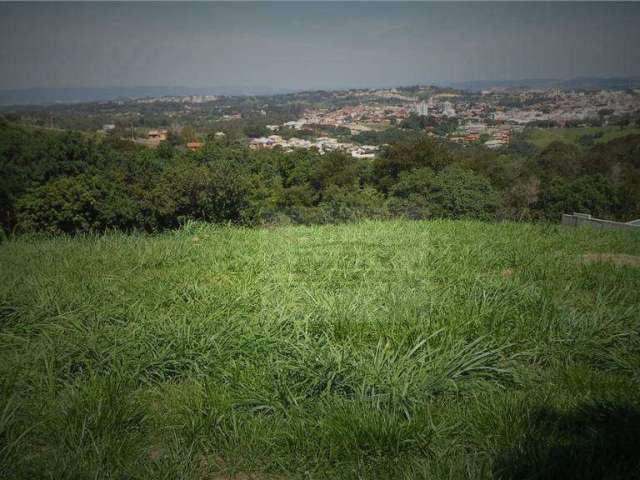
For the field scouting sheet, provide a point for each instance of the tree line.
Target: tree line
(69, 182)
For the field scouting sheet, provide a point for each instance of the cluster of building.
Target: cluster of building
(436, 106)
(322, 144)
(562, 107)
(152, 138)
(372, 116)
(490, 117)
(356, 118)
(383, 93)
(186, 99)
(155, 136)
(494, 136)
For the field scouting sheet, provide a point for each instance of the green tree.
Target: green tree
(453, 192)
(83, 203)
(592, 194)
(406, 156)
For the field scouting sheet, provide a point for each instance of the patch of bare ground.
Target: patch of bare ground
(206, 462)
(507, 273)
(155, 453)
(246, 476)
(618, 259)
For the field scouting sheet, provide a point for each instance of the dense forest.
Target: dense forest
(70, 182)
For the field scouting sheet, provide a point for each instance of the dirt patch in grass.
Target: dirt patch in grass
(155, 453)
(507, 273)
(619, 259)
(246, 476)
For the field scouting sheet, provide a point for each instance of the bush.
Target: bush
(454, 193)
(343, 204)
(68, 183)
(83, 203)
(592, 194)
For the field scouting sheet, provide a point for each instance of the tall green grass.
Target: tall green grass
(376, 350)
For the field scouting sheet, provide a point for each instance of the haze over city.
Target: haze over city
(309, 45)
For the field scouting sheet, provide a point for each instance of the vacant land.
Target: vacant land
(379, 350)
(541, 137)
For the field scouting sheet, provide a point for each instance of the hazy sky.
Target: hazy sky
(312, 45)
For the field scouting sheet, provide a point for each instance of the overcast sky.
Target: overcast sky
(312, 45)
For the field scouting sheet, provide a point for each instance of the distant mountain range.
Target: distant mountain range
(48, 96)
(609, 83)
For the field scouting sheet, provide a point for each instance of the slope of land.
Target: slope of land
(378, 350)
(542, 137)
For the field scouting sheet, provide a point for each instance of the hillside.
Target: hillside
(586, 136)
(442, 349)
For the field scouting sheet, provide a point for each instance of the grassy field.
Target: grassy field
(541, 137)
(378, 350)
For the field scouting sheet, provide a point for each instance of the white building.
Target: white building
(422, 109)
(493, 144)
(448, 110)
(297, 124)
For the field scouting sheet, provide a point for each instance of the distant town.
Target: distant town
(358, 121)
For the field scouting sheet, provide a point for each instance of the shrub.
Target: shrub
(82, 203)
(454, 192)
